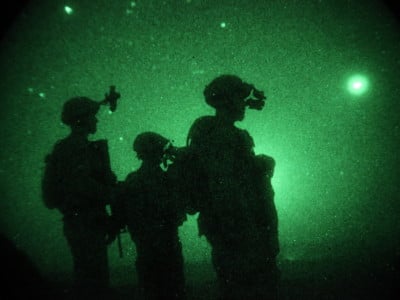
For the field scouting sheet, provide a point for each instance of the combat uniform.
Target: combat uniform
(239, 217)
(85, 188)
(152, 217)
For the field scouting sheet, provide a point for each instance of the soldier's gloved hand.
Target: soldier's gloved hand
(111, 236)
(113, 178)
(113, 229)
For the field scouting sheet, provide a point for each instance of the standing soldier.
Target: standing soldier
(152, 216)
(78, 182)
(238, 217)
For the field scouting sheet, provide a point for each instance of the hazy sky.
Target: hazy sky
(337, 170)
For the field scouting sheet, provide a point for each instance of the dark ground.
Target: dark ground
(301, 280)
(309, 280)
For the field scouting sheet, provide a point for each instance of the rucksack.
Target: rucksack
(187, 180)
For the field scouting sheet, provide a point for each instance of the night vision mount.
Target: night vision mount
(111, 98)
(256, 99)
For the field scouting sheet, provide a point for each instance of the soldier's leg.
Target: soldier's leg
(172, 279)
(97, 262)
(262, 277)
(223, 259)
(89, 253)
(146, 270)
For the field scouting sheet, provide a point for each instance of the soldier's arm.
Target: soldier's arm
(82, 185)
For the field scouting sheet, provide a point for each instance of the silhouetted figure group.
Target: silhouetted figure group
(217, 174)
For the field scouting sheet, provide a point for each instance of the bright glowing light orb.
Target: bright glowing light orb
(357, 84)
(68, 10)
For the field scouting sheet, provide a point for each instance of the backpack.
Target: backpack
(51, 184)
(187, 181)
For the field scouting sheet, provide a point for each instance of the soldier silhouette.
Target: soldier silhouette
(78, 182)
(237, 215)
(152, 217)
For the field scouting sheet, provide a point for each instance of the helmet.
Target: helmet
(150, 145)
(219, 91)
(77, 108)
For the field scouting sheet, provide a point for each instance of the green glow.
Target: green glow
(337, 160)
(68, 10)
(357, 84)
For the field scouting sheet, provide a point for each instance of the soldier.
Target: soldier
(152, 218)
(238, 217)
(78, 182)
